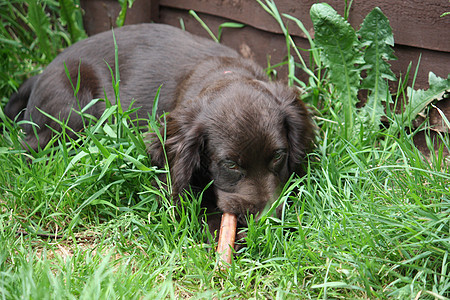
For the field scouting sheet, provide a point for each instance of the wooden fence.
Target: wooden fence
(418, 26)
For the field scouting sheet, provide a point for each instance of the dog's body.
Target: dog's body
(149, 55)
(227, 122)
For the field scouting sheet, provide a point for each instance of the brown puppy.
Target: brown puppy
(227, 123)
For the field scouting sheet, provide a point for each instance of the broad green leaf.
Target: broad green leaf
(376, 35)
(340, 55)
(418, 100)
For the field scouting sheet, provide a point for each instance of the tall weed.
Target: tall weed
(354, 61)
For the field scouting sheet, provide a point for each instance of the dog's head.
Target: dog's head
(247, 137)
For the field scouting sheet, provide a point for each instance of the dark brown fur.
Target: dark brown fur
(227, 122)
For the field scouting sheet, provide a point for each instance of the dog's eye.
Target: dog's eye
(229, 164)
(228, 175)
(279, 155)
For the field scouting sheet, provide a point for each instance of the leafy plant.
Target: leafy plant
(345, 55)
(377, 39)
(420, 99)
(340, 56)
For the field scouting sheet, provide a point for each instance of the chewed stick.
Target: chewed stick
(227, 236)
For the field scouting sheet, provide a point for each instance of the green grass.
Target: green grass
(81, 219)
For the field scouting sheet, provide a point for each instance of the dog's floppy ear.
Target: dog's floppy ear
(300, 130)
(298, 124)
(184, 139)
